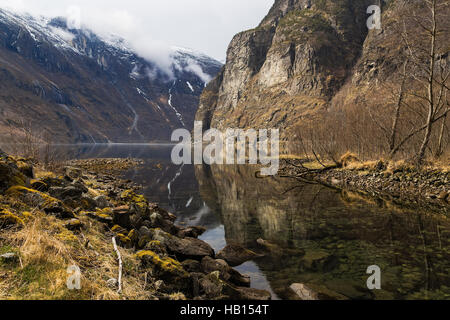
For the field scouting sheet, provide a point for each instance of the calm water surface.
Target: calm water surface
(319, 236)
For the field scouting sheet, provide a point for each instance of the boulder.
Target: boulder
(26, 169)
(318, 260)
(87, 203)
(158, 221)
(138, 202)
(166, 269)
(66, 193)
(10, 176)
(187, 248)
(8, 219)
(156, 247)
(74, 225)
(191, 232)
(39, 199)
(192, 266)
(211, 286)
(101, 216)
(39, 185)
(102, 202)
(190, 248)
(236, 255)
(73, 172)
(121, 216)
(164, 213)
(226, 272)
(251, 294)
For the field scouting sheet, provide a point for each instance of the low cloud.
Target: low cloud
(152, 27)
(195, 68)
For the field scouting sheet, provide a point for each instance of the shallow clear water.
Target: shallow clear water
(319, 236)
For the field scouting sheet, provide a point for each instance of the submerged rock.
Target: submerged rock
(318, 260)
(314, 292)
(213, 287)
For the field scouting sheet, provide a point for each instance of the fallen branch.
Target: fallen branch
(119, 280)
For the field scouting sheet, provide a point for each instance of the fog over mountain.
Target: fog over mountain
(151, 27)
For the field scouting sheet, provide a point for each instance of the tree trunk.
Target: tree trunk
(440, 149)
(426, 139)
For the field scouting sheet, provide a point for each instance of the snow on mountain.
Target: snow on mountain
(109, 91)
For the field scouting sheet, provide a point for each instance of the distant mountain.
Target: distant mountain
(77, 86)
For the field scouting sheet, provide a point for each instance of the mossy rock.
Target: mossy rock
(26, 168)
(101, 216)
(116, 229)
(39, 185)
(166, 269)
(10, 176)
(156, 246)
(124, 241)
(74, 225)
(7, 219)
(318, 260)
(31, 196)
(138, 201)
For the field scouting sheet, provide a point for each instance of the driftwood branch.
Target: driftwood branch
(119, 257)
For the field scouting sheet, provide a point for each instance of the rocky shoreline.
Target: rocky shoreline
(175, 260)
(403, 185)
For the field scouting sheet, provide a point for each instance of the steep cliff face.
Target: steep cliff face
(76, 86)
(289, 67)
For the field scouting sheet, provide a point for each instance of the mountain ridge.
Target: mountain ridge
(314, 70)
(77, 86)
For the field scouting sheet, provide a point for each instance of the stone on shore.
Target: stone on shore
(236, 255)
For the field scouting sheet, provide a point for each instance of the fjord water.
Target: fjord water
(317, 235)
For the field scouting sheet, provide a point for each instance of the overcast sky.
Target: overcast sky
(150, 26)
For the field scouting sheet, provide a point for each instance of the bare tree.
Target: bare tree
(429, 69)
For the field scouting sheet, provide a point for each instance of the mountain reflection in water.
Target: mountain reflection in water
(319, 236)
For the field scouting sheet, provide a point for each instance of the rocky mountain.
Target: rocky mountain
(73, 85)
(308, 57)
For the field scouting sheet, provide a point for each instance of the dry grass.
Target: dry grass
(46, 249)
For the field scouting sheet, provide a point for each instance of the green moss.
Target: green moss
(67, 236)
(7, 218)
(19, 191)
(164, 264)
(104, 213)
(138, 200)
